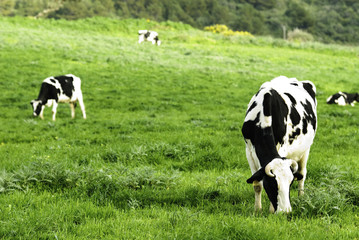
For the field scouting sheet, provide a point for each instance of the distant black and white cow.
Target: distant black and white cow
(150, 36)
(59, 89)
(278, 129)
(343, 98)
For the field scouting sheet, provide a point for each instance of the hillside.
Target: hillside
(327, 20)
(161, 155)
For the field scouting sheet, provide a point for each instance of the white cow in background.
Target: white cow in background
(146, 35)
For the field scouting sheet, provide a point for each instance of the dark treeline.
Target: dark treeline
(326, 20)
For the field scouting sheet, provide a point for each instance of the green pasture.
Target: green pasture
(161, 155)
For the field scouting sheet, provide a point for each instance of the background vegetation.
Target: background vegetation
(327, 20)
(161, 155)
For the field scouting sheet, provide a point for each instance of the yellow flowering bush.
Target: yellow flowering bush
(223, 29)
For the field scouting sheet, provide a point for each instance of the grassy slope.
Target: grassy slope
(161, 154)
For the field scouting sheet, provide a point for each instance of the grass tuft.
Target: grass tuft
(330, 194)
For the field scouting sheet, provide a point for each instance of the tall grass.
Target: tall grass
(161, 155)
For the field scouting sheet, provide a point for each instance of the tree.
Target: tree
(298, 16)
(155, 10)
(249, 19)
(7, 7)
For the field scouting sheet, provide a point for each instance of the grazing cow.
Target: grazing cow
(150, 36)
(279, 128)
(343, 98)
(58, 89)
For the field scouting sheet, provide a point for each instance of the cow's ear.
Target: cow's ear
(257, 176)
(298, 176)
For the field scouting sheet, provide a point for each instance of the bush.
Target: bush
(223, 29)
(298, 35)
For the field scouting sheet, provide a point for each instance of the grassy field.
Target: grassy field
(161, 155)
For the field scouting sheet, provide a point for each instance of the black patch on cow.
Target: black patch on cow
(53, 80)
(267, 104)
(254, 104)
(48, 91)
(67, 85)
(279, 112)
(309, 117)
(292, 99)
(249, 129)
(294, 116)
(298, 176)
(147, 34)
(271, 187)
(309, 88)
(333, 98)
(294, 84)
(305, 127)
(294, 135)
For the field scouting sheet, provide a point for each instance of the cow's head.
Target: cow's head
(36, 107)
(277, 176)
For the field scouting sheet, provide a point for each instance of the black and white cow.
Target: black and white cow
(343, 98)
(150, 36)
(279, 128)
(59, 89)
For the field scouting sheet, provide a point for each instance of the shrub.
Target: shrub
(298, 35)
(224, 30)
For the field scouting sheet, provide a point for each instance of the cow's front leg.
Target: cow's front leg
(41, 115)
(271, 208)
(257, 186)
(72, 106)
(54, 109)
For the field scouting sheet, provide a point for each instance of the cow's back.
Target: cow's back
(68, 86)
(281, 119)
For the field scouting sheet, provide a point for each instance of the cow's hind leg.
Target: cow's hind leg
(82, 105)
